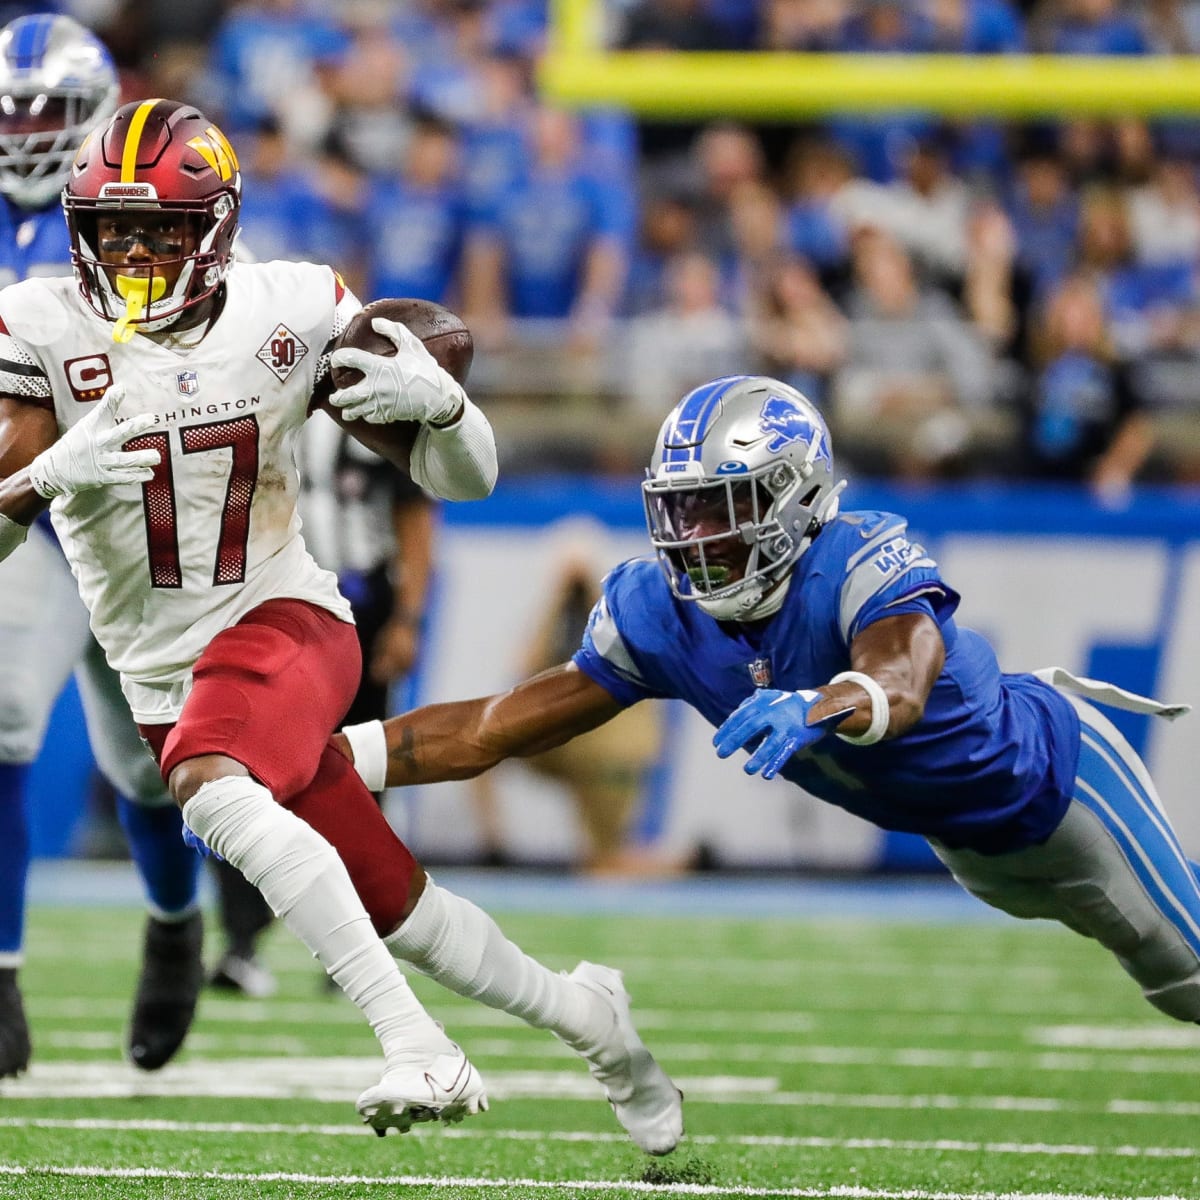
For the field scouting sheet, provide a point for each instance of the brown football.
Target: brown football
(444, 335)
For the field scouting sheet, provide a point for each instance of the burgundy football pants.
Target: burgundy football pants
(268, 692)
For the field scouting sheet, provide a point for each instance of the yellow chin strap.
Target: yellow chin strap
(134, 289)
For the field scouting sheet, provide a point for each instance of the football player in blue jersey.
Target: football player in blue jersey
(824, 643)
(57, 84)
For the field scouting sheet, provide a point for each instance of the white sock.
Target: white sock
(459, 945)
(306, 884)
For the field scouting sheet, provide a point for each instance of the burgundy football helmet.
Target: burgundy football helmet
(155, 156)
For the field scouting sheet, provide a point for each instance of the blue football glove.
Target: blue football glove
(783, 718)
(192, 838)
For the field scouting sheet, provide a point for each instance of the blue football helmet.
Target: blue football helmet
(57, 84)
(741, 481)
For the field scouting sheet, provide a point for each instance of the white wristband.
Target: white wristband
(368, 741)
(881, 709)
(12, 534)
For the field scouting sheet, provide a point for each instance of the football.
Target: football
(444, 334)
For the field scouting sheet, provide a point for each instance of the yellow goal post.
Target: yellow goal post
(578, 71)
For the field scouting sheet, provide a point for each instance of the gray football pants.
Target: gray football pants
(1113, 870)
(44, 636)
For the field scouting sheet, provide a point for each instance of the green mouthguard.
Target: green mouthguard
(714, 577)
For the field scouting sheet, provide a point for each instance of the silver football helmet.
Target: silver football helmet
(741, 482)
(57, 84)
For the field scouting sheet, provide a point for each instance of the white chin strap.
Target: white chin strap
(752, 603)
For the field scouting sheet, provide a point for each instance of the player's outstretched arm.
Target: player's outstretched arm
(465, 738)
(904, 655)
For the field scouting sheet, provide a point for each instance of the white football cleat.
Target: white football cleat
(448, 1089)
(646, 1102)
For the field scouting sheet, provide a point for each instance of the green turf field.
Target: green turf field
(820, 1057)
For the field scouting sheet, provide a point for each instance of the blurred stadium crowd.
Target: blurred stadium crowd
(960, 298)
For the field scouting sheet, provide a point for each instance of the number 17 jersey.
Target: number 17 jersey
(164, 566)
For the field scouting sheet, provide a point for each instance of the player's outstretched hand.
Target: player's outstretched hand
(406, 386)
(783, 717)
(91, 454)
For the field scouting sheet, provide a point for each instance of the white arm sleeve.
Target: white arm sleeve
(457, 462)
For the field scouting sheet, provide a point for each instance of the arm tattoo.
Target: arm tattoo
(405, 755)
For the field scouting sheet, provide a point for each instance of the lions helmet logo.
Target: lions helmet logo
(790, 422)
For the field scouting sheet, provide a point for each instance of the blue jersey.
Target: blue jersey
(32, 243)
(257, 55)
(990, 764)
(547, 222)
(416, 234)
(1112, 35)
(285, 216)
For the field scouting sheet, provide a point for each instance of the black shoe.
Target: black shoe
(14, 1029)
(172, 974)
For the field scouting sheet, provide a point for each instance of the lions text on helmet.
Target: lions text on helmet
(57, 84)
(741, 481)
(152, 207)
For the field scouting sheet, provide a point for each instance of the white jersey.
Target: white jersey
(164, 566)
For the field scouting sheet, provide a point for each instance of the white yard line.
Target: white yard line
(918, 1058)
(903, 1001)
(887, 1005)
(1052, 974)
(941, 1145)
(337, 1080)
(608, 1185)
(1162, 1035)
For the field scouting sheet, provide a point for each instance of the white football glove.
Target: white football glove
(408, 386)
(89, 454)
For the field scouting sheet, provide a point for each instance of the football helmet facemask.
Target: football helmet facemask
(154, 158)
(57, 84)
(741, 481)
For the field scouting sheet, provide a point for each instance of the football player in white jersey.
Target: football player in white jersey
(157, 403)
(57, 83)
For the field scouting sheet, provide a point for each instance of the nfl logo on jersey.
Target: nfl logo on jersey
(187, 383)
(760, 672)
